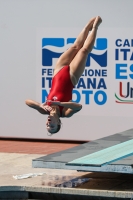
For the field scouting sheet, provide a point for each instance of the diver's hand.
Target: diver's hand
(45, 107)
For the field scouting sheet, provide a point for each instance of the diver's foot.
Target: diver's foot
(97, 22)
(91, 22)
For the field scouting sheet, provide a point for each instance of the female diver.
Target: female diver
(69, 67)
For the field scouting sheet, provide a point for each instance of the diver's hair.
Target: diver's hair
(58, 128)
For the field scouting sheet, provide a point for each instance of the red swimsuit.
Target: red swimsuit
(61, 89)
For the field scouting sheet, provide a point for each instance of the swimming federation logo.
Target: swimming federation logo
(92, 83)
(54, 47)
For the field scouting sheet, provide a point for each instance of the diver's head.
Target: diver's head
(53, 124)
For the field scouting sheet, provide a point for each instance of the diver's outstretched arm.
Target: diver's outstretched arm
(38, 106)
